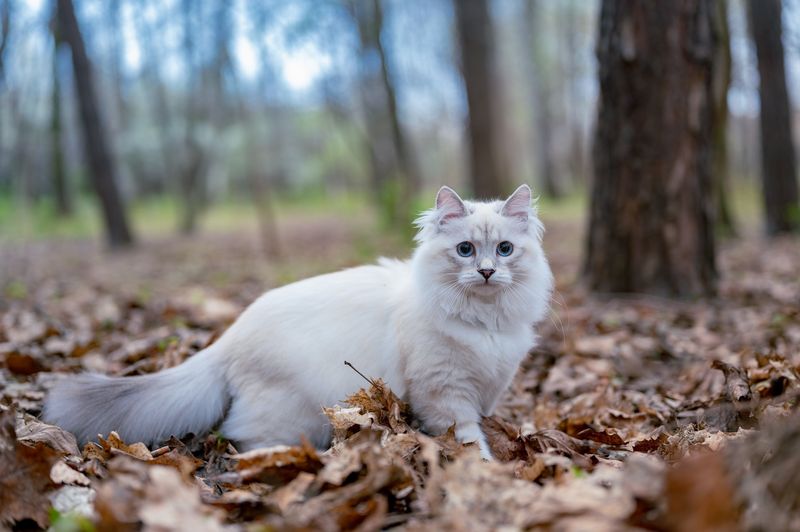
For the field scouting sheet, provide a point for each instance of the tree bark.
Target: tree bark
(778, 163)
(719, 129)
(102, 171)
(476, 39)
(651, 219)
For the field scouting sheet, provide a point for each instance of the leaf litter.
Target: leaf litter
(632, 413)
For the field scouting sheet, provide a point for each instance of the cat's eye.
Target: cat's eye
(505, 248)
(465, 249)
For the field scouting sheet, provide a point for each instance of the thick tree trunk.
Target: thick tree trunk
(778, 166)
(476, 39)
(651, 220)
(101, 166)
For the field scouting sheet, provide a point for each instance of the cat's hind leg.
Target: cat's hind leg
(275, 417)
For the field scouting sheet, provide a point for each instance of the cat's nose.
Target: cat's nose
(486, 272)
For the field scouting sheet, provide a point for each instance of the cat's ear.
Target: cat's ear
(449, 205)
(518, 204)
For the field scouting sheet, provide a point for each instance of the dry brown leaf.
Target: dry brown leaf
(379, 400)
(700, 495)
(24, 476)
(153, 496)
(277, 465)
(61, 473)
(30, 430)
(737, 385)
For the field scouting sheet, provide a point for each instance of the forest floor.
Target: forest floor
(633, 412)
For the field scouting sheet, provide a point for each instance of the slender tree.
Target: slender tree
(59, 174)
(5, 30)
(778, 162)
(395, 178)
(651, 220)
(476, 39)
(720, 83)
(542, 101)
(102, 170)
(192, 170)
(410, 184)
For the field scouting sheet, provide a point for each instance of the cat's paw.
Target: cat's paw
(471, 433)
(486, 452)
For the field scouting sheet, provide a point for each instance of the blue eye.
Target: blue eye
(465, 249)
(505, 248)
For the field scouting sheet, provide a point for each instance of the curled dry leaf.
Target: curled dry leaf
(61, 473)
(24, 476)
(381, 401)
(30, 430)
(737, 385)
(277, 465)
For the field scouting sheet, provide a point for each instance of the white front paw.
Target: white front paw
(471, 433)
(486, 452)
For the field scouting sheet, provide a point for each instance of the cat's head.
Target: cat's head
(484, 248)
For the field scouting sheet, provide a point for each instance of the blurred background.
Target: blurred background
(136, 119)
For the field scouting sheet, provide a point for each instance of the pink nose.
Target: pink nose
(486, 273)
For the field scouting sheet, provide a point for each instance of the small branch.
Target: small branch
(346, 363)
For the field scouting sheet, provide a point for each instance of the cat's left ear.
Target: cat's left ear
(518, 204)
(449, 205)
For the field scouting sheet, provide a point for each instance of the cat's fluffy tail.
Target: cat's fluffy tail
(191, 397)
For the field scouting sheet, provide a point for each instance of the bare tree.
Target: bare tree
(191, 173)
(258, 180)
(5, 30)
(395, 178)
(59, 175)
(542, 102)
(476, 38)
(651, 219)
(102, 170)
(778, 162)
(720, 83)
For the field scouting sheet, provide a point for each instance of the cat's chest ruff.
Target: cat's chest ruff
(487, 347)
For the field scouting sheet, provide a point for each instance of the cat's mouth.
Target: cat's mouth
(485, 287)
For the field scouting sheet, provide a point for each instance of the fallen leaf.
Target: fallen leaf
(24, 476)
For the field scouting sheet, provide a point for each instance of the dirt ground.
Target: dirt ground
(632, 413)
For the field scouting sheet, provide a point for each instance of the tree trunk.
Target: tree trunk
(476, 39)
(101, 166)
(410, 185)
(542, 104)
(719, 129)
(778, 167)
(5, 30)
(191, 175)
(60, 185)
(394, 177)
(651, 219)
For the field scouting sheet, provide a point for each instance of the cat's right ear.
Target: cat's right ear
(449, 205)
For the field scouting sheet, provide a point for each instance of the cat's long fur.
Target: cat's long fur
(442, 336)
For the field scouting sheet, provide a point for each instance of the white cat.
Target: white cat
(446, 330)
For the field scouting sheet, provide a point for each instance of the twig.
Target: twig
(346, 363)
